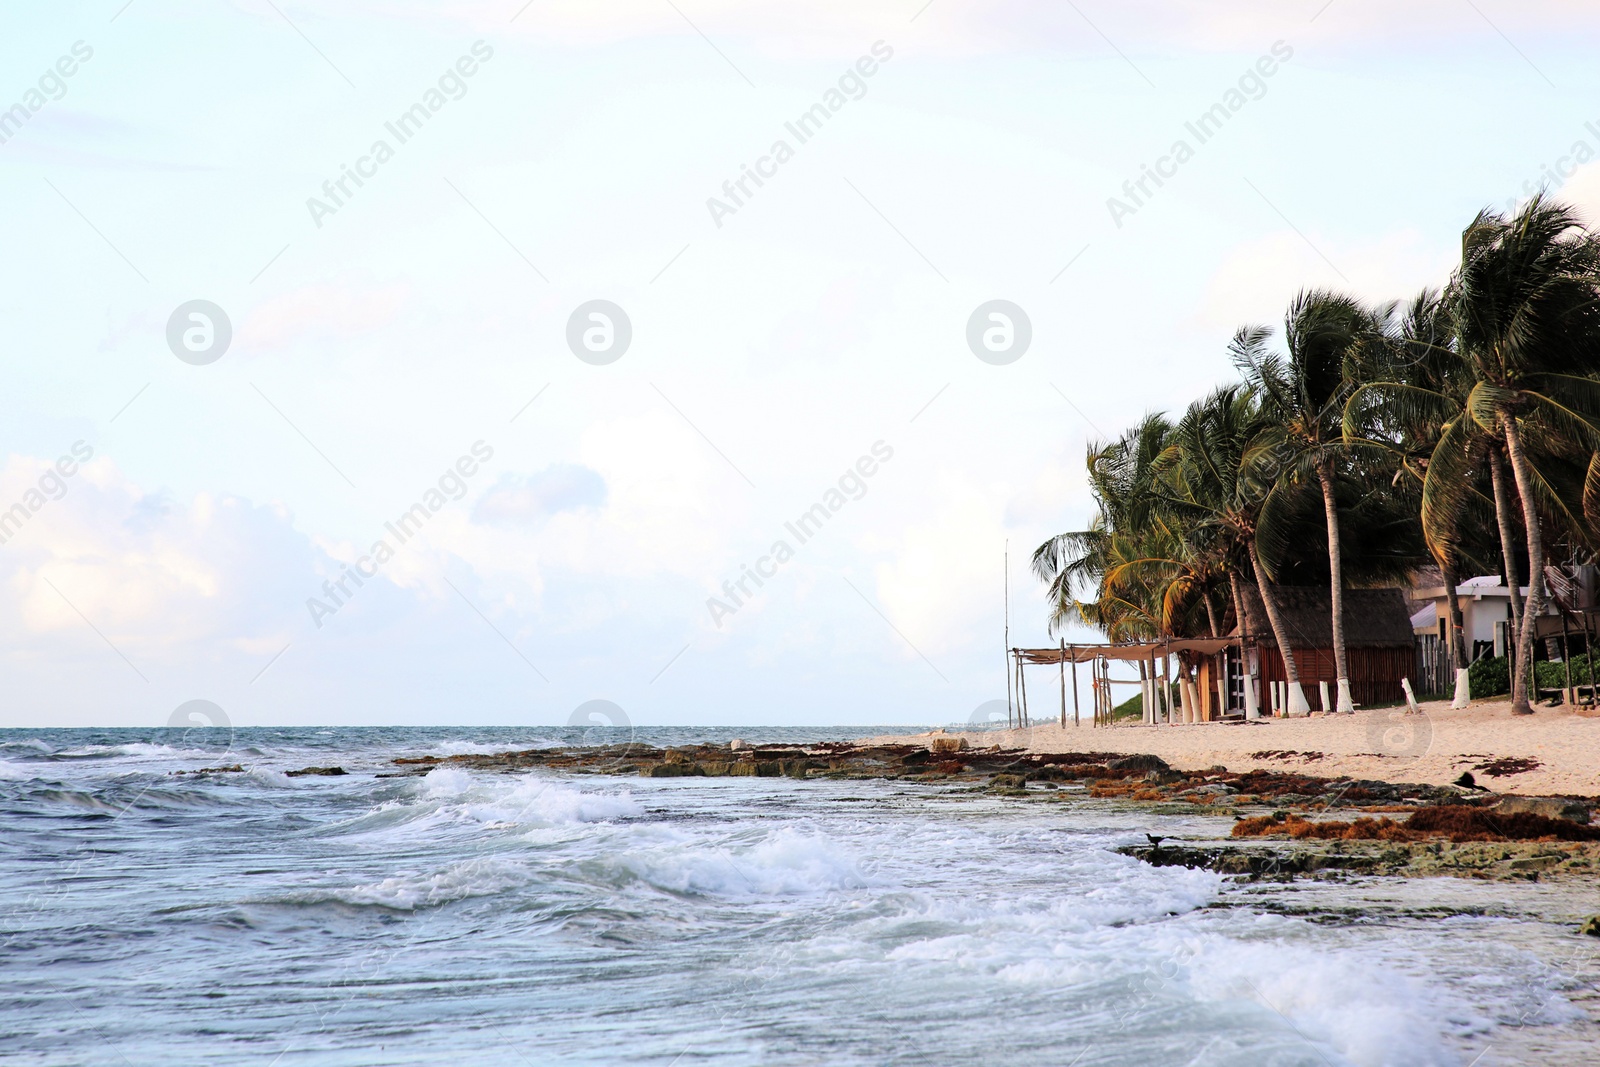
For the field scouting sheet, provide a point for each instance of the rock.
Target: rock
(1140, 763)
(1591, 926)
(1008, 781)
(943, 746)
(738, 745)
(1210, 789)
(324, 771)
(1549, 807)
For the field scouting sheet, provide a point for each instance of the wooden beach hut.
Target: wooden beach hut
(1378, 635)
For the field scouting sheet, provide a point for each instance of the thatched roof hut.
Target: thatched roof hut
(1373, 618)
(1377, 632)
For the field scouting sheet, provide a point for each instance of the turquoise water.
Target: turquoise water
(253, 918)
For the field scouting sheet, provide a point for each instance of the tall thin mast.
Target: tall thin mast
(1006, 586)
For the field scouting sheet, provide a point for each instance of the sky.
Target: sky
(401, 376)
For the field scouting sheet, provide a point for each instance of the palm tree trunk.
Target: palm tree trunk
(1297, 696)
(1534, 606)
(1238, 603)
(1341, 656)
(1454, 635)
(1508, 540)
(1211, 613)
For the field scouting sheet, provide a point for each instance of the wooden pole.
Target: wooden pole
(1566, 657)
(1589, 653)
(1166, 685)
(1006, 587)
(1074, 688)
(1063, 665)
(1105, 691)
(1022, 687)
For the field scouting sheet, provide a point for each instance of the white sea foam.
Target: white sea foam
(16, 770)
(783, 862)
(408, 892)
(1357, 1004)
(521, 801)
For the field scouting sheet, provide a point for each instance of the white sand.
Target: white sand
(1387, 745)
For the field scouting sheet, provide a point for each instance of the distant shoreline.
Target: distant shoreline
(1556, 751)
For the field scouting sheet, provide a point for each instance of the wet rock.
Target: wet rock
(1140, 763)
(1590, 927)
(327, 772)
(1210, 789)
(1548, 807)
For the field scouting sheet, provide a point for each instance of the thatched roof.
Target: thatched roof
(1373, 618)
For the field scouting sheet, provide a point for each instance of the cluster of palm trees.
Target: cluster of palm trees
(1460, 429)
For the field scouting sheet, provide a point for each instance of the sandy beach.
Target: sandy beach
(1554, 751)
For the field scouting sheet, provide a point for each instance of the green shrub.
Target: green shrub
(1489, 677)
(1133, 707)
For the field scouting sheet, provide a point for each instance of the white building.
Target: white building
(1485, 614)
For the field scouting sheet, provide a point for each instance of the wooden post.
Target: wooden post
(1074, 687)
(1006, 585)
(1566, 659)
(1100, 691)
(1165, 703)
(1063, 666)
(1022, 687)
(1588, 648)
(1221, 661)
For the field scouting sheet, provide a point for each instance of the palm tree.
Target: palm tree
(1207, 471)
(1303, 397)
(1410, 405)
(1121, 481)
(1526, 307)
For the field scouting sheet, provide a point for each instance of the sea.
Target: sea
(153, 916)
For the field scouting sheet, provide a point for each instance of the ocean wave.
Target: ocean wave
(414, 891)
(1363, 1008)
(785, 862)
(521, 801)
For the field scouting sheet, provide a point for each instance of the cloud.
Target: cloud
(153, 574)
(523, 500)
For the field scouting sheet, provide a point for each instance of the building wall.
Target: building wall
(1375, 673)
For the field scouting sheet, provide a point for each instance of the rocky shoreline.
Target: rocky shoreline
(1287, 824)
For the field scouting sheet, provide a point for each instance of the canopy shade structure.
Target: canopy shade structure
(1143, 651)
